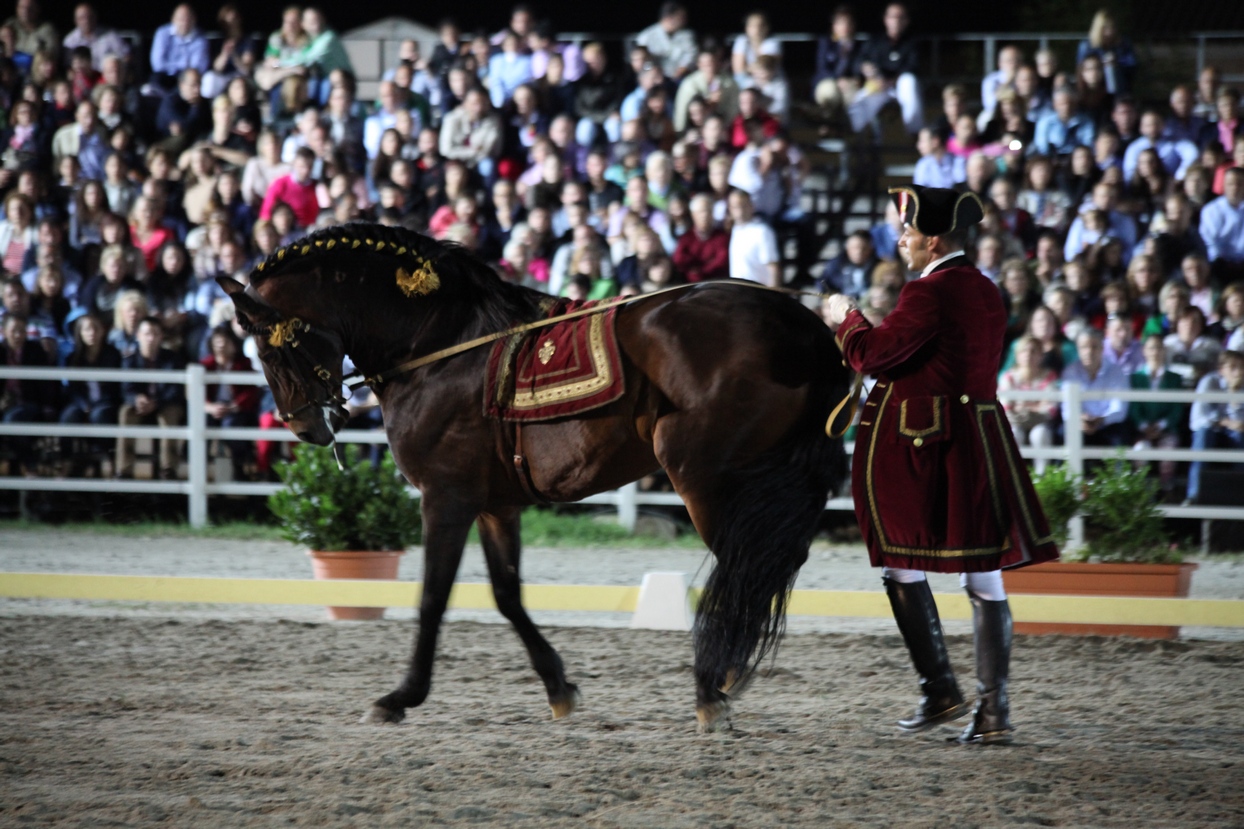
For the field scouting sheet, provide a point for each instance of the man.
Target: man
(1102, 422)
(1217, 425)
(1121, 348)
(23, 401)
(753, 244)
(936, 167)
(850, 272)
(937, 477)
(1177, 155)
(31, 34)
(1119, 225)
(888, 63)
(185, 115)
(1183, 124)
(1222, 229)
(711, 81)
(145, 403)
(84, 138)
(835, 81)
(669, 41)
(178, 46)
(703, 252)
(101, 42)
(1009, 60)
(598, 94)
(1064, 129)
(472, 134)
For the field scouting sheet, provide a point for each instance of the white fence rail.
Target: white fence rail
(627, 500)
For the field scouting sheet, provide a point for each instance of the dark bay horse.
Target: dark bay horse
(727, 388)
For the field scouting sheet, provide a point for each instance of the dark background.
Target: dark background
(1142, 20)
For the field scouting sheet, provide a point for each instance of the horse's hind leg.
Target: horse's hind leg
(445, 534)
(499, 533)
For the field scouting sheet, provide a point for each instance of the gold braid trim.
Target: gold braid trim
(423, 281)
(283, 332)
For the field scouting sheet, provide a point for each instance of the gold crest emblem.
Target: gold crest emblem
(546, 352)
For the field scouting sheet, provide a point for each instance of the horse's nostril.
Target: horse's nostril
(304, 436)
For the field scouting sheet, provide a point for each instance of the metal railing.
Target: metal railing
(627, 499)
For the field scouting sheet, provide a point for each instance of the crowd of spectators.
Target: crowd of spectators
(132, 174)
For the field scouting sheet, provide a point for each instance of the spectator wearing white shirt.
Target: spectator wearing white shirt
(101, 42)
(1222, 228)
(1176, 155)
(1009, 59)
(384, 118)
(753, 244)
(670, 41)
(1120, 347)
(1217, 425)
(1102, 422)
(749, 46)
(936, 167)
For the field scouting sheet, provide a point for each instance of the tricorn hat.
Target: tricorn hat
(934, 211)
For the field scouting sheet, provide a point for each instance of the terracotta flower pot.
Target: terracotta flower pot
(349, 564)
(1088, 579)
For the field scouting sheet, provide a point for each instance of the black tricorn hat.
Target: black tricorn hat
(934, 211)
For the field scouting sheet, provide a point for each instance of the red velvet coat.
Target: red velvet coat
(938, 481)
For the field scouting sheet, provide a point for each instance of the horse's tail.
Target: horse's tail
(769, 517)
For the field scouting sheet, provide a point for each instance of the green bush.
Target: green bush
(1059, 490)
(360, 508)
(1122, 521)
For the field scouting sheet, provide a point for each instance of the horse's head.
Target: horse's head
(302, 364)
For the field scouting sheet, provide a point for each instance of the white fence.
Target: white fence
(627, 500)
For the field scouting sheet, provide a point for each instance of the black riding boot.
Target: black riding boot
(990, 723)
(917, 618)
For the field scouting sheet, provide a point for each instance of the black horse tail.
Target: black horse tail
(770, 515)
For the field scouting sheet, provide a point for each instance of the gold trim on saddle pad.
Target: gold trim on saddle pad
(544, 395)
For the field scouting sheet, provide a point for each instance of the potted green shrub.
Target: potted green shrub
(1126, 553)
(355, 521)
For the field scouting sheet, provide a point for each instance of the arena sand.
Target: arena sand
(218, 717)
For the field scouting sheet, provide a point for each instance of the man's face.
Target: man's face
(183, 20)
(188, 86)
(149, 337)
(474, 104)
(1103, 197)
(858, 250)
(1155, 352)
(14, 334)
(914, 248)
(1233, 187)
(1119, 333)
(84, 19)
(1233, 373)
(1181, 102)
(1064, 105)
(707, 64)
(740, 208)
(14, 299)
(895, 21)
(85, 116)
(1151, 126)
(844, 28)
(1089, 350)
(1124, 118)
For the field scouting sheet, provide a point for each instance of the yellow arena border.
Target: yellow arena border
(590, 598)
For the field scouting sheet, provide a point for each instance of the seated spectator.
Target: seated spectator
(185, 116)
(90, 402)
(1064, 129)
(148, 402)
(1118, 225)
(1157, 425)
(888, 63)
(703, 252)
(131, 308)
(1048, 206)
(850, 272)
(1189, 348)
(87, 32)
(48, 304)
(1102, 422)
(1010, 58)
(1222, 229)
(835, 80)
(297, 189)
(586, 280)
(1096, 100)
(1014, 220)
(176, 47)
(1113, 49)
(936, 167)
(508, 69)
(147, 230)
(712, 83)
(39, 329)
(230, 406)
(1032, 421)
(100, 294)
(669, 41)
(86, 139)
(1229, 313)
(1228, 128)
(1020, 295)
(23, 401)
(1217, 425)
(1182, 124)
(1177, 155)
(752, 45)
(752, 115)
(18, 233)
(753, 244)
(633, 270)
(1057, 352)
(1194, 271)
(598, 94)
(1172, 300)
(472, 134)
(1120, 347)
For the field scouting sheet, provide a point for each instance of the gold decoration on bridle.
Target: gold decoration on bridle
(284, 332)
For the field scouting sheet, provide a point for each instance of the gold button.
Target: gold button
(918, 441)
(964, 399)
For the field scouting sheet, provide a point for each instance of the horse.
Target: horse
(726, 388)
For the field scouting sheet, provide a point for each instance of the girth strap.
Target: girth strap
(523, 469)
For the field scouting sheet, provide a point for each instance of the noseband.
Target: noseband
(284, 336)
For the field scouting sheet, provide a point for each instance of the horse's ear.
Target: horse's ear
(251, 312)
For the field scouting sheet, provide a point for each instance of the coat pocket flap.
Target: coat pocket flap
(923, 420)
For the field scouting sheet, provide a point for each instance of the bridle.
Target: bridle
(284, 338)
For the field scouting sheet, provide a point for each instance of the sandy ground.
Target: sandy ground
(239, 716)
(246, 723)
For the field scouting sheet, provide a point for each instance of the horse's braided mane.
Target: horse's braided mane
(404, 246)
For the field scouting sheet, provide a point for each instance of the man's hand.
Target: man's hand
(838, 307)
(143, 404)
(1090, 424)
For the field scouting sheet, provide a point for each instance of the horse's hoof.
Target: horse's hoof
(379, 715)
(709, 715)
(566, 704)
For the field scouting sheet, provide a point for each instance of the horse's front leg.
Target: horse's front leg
(499, 533)
(445, 533)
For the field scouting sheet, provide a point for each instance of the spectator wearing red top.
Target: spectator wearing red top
(230, 406)
(752, 110)
(297, 189)
(704, 252)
